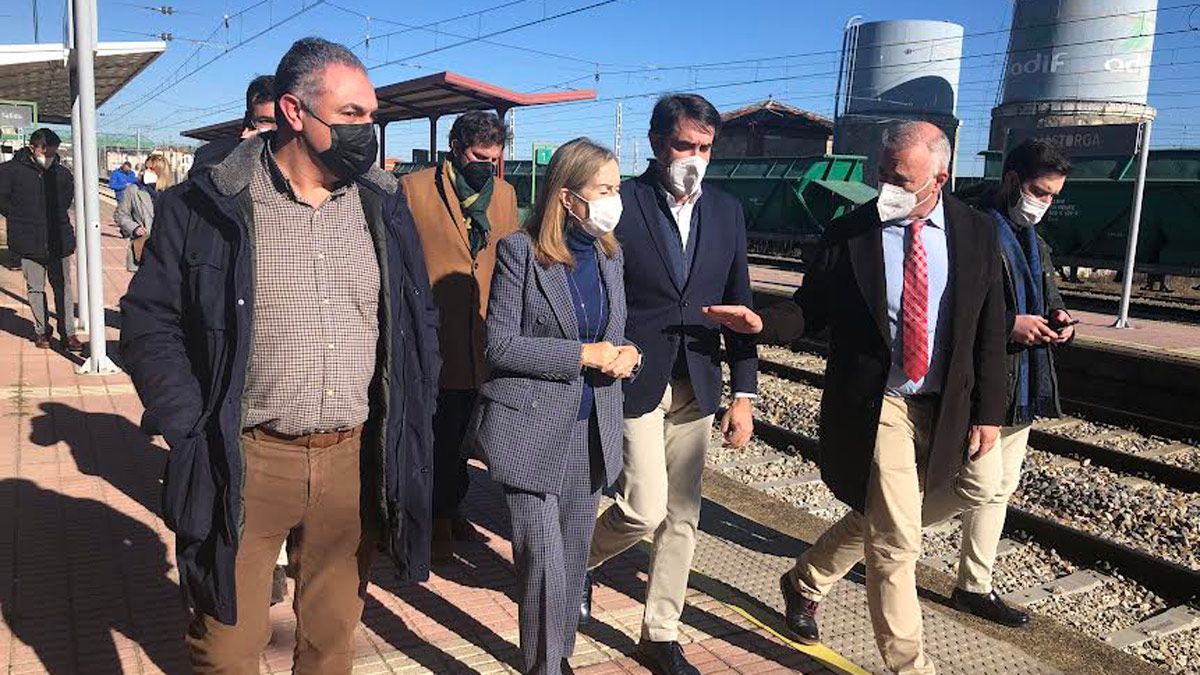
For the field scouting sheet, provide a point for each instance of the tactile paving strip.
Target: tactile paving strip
(750, 557)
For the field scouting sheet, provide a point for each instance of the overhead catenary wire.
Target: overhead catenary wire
(224, 23)
(432, 27)
(173, 83)
(509, 29)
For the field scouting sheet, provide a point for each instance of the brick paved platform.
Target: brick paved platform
(1174, 338)
(88, 583)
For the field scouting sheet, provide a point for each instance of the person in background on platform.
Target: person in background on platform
(685, 249)
(258, 118)
(1037, 319)
(460, 208)
(281, 332)
(36, 192)
(557, 351)
(910, 287)
(135, 211)
(121, 179)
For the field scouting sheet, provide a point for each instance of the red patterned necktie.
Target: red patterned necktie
(914, 306)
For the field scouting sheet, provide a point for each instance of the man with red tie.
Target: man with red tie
(910, 289)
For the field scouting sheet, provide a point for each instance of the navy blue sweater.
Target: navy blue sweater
(591, 303)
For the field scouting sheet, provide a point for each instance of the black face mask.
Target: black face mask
(352, 150)
(477, 174)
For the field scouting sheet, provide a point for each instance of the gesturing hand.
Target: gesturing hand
(737, 318)
(622, 366)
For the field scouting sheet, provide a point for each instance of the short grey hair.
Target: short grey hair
(299, 69)
(903, 135)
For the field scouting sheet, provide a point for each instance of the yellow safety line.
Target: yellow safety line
(819, 652)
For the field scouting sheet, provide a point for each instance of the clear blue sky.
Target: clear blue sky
(643, 36)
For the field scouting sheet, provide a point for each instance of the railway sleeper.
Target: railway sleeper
(1174, 620)
(1072, 584)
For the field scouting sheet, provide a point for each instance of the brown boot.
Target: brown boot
(72, 344)
(41, 341)
(442, 547)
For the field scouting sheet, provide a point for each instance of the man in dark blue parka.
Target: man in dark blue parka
(281, 331)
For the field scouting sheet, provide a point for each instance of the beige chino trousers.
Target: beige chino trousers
(658, 492)
(980, 492)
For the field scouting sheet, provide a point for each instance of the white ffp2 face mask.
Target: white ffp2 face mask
(149, 177)
(684, 175)
(1028, 211)
(603, 215)
(896, 203)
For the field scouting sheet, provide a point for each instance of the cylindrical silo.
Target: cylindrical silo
(1076, 62)
(896, 70)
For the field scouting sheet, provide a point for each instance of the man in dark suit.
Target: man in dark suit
(910, 289)
(685, 249)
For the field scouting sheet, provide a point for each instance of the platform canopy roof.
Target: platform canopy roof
(41, 73)
(431, 97)
(447, 93)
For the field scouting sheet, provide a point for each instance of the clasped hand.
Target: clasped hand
(615, 362)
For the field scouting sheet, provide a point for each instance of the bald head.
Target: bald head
(916, 157)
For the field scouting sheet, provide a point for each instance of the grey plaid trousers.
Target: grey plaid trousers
(551, 537)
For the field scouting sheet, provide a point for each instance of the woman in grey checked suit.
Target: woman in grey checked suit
(549, 421)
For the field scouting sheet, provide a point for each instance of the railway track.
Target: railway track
(1101, 448)
(1179, 310)
(1093, 577)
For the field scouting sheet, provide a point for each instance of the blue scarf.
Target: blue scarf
(1035, 385)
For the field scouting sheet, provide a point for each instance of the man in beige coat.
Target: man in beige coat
(461, 210)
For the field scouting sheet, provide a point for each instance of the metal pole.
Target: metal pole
(433, 140)
(512, 134)
(617, 138)
(533, 173)
(98, 362)
(1135, 222)
(81, 277)
(501, 113)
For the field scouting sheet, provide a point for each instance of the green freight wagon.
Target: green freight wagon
(1088, 226)
(789, 200)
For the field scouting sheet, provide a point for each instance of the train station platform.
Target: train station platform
(1094, 329)
(88, 582)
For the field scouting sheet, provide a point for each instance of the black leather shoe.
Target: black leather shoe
(665, 658)
(799, 613)
(585, 603)
(989, 606)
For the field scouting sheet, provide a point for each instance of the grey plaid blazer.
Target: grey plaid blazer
(530, 402)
